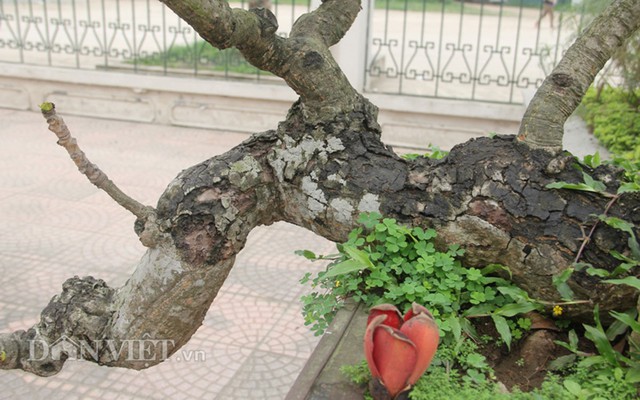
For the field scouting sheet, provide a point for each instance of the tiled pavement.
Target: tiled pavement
(54, 224)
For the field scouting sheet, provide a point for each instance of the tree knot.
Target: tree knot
(562, 80)
(268, 21)
(312, 60)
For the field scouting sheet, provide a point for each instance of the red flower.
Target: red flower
(398, 350)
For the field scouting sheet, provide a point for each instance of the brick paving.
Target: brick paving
(54, 224)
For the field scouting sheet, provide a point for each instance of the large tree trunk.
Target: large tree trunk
(322, 167)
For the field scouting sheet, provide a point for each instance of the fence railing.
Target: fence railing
(485, 50)
(142, 36)
(438, 48)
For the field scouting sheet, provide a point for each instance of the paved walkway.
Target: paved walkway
(54, 224)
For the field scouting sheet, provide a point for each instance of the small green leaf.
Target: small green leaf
(469, 329)
(591, 361)
(573, 340)
(479, 310)
(602, 273)
(46, 106)
(597, 335)
(359, 255)
(513, 309)
(344, 267)
(572, 186)
(491, 268)
(628, 319)
(617, 223)
(629, 280)
(628, 187)
(474, 274)
(562, 362)
(515, 293)
(476, 360)
(503, 329)
(597, 186)
(560, 282)
(309, 255)
(369, 220)
(456, 329)
(633, 375)
(572, 387)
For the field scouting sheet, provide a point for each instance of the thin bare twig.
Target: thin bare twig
(90, 170)
(587, 238)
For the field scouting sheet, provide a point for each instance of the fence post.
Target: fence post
(351, 51)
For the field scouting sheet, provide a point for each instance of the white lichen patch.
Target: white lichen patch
(317, 201)
(315, 207)
(244, 173)
(342, 210)
(287, 161)
(334, 144)
(336, 178)
(369, 203)
(230, 213)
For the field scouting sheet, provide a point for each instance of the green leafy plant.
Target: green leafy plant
(608, 373)
(630, 182)
(385, 262)
(612, 113)
(433, 151)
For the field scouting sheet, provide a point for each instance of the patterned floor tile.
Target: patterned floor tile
(264, 376)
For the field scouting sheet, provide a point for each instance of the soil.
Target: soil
(525, 365)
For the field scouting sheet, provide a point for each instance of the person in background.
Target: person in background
(547, 8)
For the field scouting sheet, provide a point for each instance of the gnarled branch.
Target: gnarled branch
(330, 22)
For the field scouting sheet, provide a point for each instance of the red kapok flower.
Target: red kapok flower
(399, 350)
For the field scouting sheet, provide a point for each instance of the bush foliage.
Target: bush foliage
(614, 116)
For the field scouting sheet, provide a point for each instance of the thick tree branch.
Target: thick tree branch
(215, 19)
(303, 60)
(330, 22)
(561, 92)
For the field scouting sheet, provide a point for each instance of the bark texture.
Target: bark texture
(320, 169)
(561, 92)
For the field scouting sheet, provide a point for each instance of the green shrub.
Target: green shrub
(614, 116)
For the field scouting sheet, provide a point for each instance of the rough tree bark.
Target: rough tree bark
(323, 166)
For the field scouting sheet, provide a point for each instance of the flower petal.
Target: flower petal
(395, 357)
(417, 309)
(394, 318)
(368, 343)
(422, 330)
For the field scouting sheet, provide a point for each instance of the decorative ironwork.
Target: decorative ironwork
(478, 51)
(137, 35)
(483, 50)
